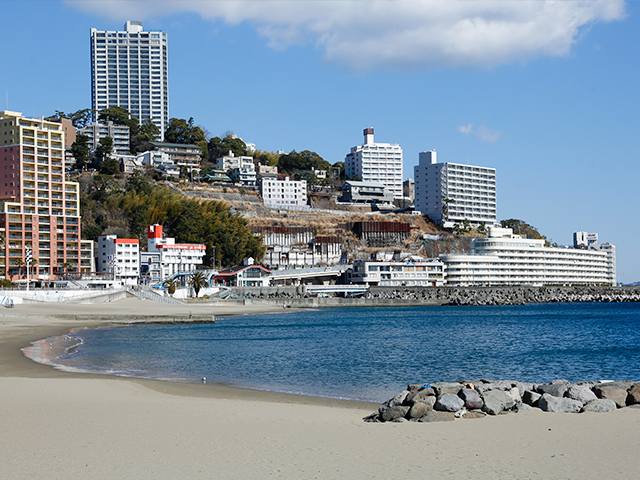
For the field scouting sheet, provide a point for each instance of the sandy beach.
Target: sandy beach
(59, 425)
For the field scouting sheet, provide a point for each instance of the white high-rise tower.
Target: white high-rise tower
(129, 69)
(376, 162)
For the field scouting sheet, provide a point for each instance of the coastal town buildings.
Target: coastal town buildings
(120, 257)
(164, 257)
(129, 69)
(39, 208)
(377, 163)
(426, 273)
(285, 193)
(507, 259)
(245, 275)
(96, 131)
(452, 193)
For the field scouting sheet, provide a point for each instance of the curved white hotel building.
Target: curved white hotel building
(508, 259)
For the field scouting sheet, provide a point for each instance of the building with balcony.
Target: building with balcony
(97, 131)
(425, 273)
(376, 163)
(365, 193)
(129, 69)
(284, 193)
(39, 208)
(120, 257)
(451, 193)
(507, 259)
(181, 155)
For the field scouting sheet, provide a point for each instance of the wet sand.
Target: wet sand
(55, 424)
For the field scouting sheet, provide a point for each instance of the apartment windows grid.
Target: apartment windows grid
(468, 190)
(129, 67)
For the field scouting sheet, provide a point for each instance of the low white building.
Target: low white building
(119, 256)
(426, 273)
(283, 193)
(165, 258)
(508, 259)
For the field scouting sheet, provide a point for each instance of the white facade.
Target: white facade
(129, 69)
(119, 256)
(427, 273)
(508, 259)
(376, 162)
(165, 257)
(471, 191)
(286, 193)
(97, 131)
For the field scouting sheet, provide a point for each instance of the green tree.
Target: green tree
(171, 285)
(521, 227)
(148, 131)
(219, 147)
(198, 281)
(119, 116)
(80, 150)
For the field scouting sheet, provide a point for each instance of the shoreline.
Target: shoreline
(59, 424)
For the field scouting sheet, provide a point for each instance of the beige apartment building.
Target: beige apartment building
(39, 209)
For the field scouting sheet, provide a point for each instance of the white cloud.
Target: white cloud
(363, 35)
(483, 133)
(466, 129)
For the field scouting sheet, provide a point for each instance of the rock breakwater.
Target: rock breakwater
(443, 401)
(506, 295)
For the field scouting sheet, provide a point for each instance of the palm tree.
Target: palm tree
(171, 285)
(198, 281)
(19, 264)
(65, 267)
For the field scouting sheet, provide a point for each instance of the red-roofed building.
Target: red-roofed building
(244, 276)
(119, 256)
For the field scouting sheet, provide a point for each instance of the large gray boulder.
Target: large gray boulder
(600, 405)
(446, 387)
(551, 403)
(496, 401)
(555, 388)
(582, 393)
(611, 392)
(419, 410)
(448, 402)
(514, 393)
(434, 416)
(416, 396)
(391, 413)
(471, 398)
(393, 402)
(633, 394)
(531, 398)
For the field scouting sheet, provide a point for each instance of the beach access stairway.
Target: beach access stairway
(152, 295)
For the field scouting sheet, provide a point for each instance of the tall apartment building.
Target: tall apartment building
(129, 69)
(376, 162)
(97, 131)
(451, 193)
(39, 208)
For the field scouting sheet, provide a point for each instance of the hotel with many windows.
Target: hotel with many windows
(507, 259)
(39, 208)
(129, 69)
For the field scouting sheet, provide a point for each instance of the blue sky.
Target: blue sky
(545, 92)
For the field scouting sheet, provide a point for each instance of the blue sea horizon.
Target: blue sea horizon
(372, 353)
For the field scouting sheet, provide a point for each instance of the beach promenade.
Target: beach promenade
(61, 425)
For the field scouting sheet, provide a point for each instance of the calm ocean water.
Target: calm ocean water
(372, 353)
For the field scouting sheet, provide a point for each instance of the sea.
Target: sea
(367, 354)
